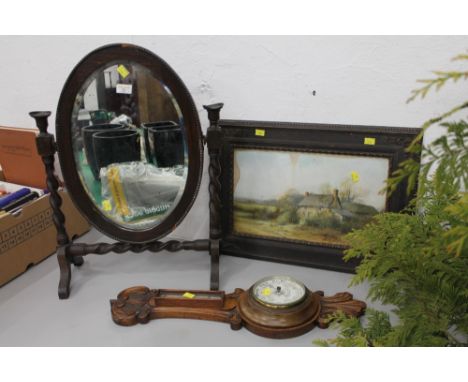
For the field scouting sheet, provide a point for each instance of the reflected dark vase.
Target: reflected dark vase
(166, 144)
(87, 134)
(116, 146)
(145, 128)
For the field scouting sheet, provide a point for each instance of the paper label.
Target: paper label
(124, 89)
(355, 176)
(369, 141)
(116, 188)
(123, 71)
(266, 291)
(188, 295)
(106, 205)
(260, 132)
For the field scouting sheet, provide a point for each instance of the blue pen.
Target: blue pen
(21, 201)
(4, 201)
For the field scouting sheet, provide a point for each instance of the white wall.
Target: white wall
(357, 80)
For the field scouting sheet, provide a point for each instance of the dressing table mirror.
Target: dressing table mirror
(130, 147)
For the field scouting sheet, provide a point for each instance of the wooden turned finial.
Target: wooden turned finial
(45, 141)
(213, 112)
(41, 119)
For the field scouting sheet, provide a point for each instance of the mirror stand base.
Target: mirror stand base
(73, 253)
(69, 253)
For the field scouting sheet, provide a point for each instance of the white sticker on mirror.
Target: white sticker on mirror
(124, 89)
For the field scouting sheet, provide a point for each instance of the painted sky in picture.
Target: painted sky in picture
(268, 174)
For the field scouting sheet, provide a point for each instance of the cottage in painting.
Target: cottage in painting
(329, 206)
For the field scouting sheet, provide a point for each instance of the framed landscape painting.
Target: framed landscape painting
(291, 192)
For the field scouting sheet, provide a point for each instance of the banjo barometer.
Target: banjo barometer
(274, 307)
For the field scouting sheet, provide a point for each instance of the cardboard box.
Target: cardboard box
(30, 236)
(19, 159)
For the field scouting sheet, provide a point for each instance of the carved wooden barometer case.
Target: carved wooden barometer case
(275, 307)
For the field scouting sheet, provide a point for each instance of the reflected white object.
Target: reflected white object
(122, 119)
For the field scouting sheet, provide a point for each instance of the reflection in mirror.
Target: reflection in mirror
(129, 145)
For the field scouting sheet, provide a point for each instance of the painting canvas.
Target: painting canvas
(308, 197)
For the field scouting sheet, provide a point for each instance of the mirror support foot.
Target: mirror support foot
(78, 261)
(65, 273)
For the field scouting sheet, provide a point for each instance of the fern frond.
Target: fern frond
(436, 83)
(460, 57)
(418, 261)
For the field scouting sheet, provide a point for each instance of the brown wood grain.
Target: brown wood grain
(140, 305)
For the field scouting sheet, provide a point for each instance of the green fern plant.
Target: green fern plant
(417, 261)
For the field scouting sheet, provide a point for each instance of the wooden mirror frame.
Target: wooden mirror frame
(69, 253)
(90, 64)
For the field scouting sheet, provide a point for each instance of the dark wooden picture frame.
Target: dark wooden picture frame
(360, 141)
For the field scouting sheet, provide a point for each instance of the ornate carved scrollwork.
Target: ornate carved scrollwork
(138, 305)
(343, 302)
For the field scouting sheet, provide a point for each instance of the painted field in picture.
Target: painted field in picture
(309, 197)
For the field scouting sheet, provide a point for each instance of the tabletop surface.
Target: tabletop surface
(31, 313)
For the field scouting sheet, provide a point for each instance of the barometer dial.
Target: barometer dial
(278, 291)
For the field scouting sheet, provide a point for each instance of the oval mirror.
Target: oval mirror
(129, 143)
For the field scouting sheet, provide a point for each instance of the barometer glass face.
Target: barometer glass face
(278, 291)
